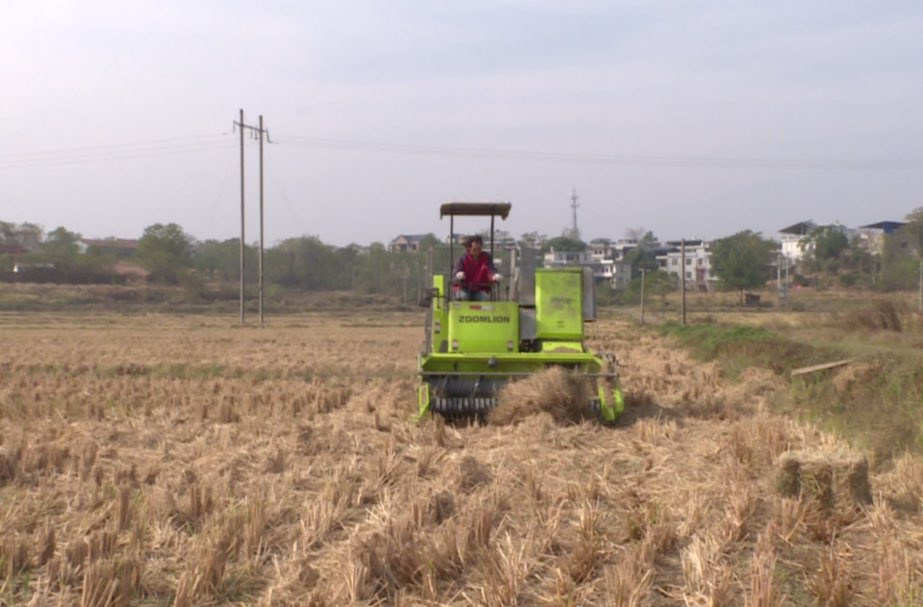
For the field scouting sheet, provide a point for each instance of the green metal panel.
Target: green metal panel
(562, 347)
(439, 336)
(501, 362)
(483, 326)
(558, 303)
(439, 286)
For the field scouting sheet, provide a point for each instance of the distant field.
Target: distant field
(181, 460)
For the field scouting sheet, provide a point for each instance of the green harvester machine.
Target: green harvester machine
(472, 349)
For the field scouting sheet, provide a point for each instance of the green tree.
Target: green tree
(7, 231)
(532, 240)
(657, 283)
(61, 247)
(911, 233)
(431, 241)
(661, 283)
(825, 247)
(376, 270)
(741, 261)
(350, 259)
(166, 252)
(220, 260)
(644, 255)
(25, 235)
(307, 263)
(829, 243)
(564, 243)
(859, 263)
(903, 251)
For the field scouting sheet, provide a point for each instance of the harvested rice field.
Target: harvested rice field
(163, 460)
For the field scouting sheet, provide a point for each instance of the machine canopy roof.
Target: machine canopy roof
(489, 209)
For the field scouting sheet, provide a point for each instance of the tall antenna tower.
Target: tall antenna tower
(575, 232)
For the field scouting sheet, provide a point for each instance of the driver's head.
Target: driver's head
(475, 245)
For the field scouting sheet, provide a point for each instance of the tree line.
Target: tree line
(829, 257)
(169, 255)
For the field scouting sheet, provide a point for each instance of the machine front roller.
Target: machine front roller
(457, 396)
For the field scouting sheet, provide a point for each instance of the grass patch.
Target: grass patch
(873, 402)
(736, 347)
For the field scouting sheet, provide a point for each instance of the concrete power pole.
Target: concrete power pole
(683, 276)
(241, 126)
(259, 132)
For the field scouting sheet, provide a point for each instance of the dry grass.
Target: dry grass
(883, 316)
(184, 462)
(562, 394)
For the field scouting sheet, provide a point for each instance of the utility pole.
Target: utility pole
(782, 287)
(257, 132)
(683, 276)
(779, 274)
(241, 125)
(261, 131)
(643, 272)
(405, 274)
(920, 295)
(787, 284)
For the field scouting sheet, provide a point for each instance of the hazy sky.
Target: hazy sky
(691, 119)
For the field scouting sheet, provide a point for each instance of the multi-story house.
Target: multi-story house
(406, 242)
(697, 270)
(602, 255)
(872, 236)
(795, 241)
(792, 237)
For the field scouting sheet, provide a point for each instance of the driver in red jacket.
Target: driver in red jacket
(475, 272)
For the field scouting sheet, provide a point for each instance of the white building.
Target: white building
(792, 237)
(795, 242)
(556, 259)
(600, 256)
(872, 236)
(697, 270)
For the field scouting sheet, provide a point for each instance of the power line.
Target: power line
(861, 164)
(116, 146)
(209, 212)
(201, 143)
(280, 189)
(108, 153)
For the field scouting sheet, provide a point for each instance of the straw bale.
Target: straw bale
(828, 478)
(562, 394)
